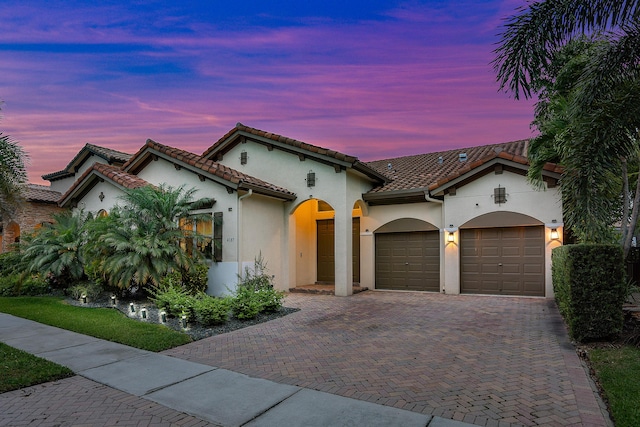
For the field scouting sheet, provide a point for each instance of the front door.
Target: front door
(326, 250)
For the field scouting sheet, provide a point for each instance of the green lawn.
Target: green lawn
(618, 370)
(19, 369)
(105, 323)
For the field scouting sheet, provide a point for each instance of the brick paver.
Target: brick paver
(490, 361)
(77, 402)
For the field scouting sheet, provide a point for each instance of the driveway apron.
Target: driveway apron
(483, 360)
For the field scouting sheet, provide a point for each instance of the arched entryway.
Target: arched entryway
(315, 244)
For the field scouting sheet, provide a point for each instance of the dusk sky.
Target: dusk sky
(374, 79)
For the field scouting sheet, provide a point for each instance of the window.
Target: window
(203, 229)
(500, 195)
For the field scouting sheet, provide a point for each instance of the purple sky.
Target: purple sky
(374, 79)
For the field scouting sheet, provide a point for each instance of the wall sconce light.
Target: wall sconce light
(143, 312)
(451, 237)
(554, 234)
(101, 196)
(133, 309)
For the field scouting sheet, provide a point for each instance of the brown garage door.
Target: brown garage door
(502, 261)
(408, 261)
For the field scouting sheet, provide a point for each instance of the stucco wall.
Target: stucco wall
(261, 234)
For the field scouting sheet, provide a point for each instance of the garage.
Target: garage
(503, 261)
(408, 261)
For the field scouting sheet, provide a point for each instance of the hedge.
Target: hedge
(590, 288)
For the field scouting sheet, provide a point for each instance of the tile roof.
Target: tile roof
(211, 167)
(41, 193)
(283, 139)
(426, 171)
(111, 156)
(113, 173)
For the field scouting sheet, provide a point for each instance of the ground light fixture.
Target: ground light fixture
(143, 312)
(113, 300)
(184, 321)
(133, 309)
(84, 298)
(163, 316)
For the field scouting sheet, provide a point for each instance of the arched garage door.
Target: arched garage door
(408, 261)
(502, 261)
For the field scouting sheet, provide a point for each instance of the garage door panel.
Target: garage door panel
(508, 260)
(413, 259)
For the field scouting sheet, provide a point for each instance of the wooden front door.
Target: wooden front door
(326, 250)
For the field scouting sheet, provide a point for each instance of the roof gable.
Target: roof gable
(205, 169)
(99, 172)
(113, 157)
(302, 149)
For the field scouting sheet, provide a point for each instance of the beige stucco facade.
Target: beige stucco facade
(276, 219)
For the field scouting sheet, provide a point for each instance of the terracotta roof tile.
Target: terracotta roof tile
(279, 138)
(113, 173)
(41, 193)
(433, 170)
(213, 168)
(111, 156)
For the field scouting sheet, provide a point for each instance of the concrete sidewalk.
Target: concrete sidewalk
(208, 393)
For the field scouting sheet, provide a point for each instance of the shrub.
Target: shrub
(91, 290)
(175, 301)
(23, 285)
(194, 281)
(212, 311)
(590, 288)
(270, 300)
(245, 304)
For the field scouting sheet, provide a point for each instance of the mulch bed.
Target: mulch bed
(194, 330)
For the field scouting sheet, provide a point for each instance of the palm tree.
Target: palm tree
(13, 174)
(589, 104)
(537, 31)
(139, 243)
(56, 249)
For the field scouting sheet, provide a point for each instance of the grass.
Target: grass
(104, 323)
(19, 369)
(618, 370)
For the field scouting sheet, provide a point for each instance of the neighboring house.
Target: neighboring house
(39, 204)
(458, 221)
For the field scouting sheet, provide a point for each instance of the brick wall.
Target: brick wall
(27, 218)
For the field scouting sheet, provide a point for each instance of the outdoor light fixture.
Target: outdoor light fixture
(101, 196)
(84, 298)
(133, 309)
(143, 312)
(113, 300)
(184, 321)
(163, 317)
(554, 234)
(450, 237)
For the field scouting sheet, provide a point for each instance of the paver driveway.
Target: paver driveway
(483, 360)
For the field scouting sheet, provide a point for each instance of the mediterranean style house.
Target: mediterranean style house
(457, 221)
